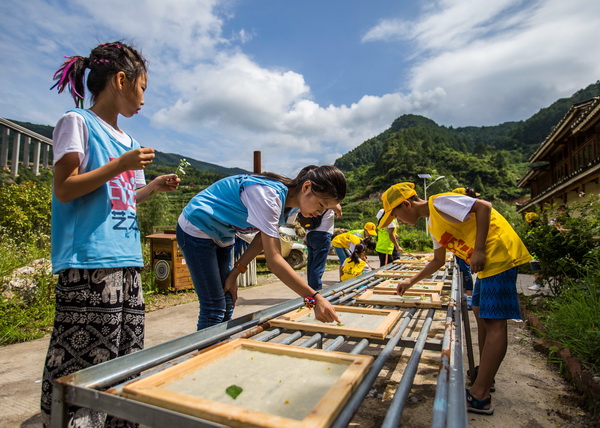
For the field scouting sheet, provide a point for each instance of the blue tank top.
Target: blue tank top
(219, 212)
(100, 229)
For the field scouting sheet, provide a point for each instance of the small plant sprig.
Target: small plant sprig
(183, 164)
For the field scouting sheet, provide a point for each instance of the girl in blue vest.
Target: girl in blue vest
(251, 203)
(96, 251)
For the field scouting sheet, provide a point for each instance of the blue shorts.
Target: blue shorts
(497, 296)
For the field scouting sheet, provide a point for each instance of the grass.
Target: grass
(24, 315)
(572, 317)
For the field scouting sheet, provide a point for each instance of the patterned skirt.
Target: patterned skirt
(99, 316)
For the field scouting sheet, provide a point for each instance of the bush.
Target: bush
(27, 312)
(572, 318)
(25, 209)
(412, 239)
(563, 253)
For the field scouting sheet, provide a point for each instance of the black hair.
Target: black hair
(104, 61)
(359, 249)
(327, 181)
(369, 243)
(470, 192)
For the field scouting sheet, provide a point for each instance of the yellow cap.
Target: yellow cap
(370, 228)
(460, 190)
(393, 197)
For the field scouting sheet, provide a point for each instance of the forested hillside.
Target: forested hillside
(490, 159)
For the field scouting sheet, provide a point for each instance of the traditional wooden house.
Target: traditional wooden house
(566, 166)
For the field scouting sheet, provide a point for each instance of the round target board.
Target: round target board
(161, 270)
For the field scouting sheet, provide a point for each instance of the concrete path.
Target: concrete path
(21, 364)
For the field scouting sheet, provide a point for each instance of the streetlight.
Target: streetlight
(425, 186)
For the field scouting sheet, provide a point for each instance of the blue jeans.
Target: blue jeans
(209, 267)
(342, 253)
(318, 243)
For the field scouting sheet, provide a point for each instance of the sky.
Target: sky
(305, 81)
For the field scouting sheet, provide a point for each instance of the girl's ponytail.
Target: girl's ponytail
(359, 249)
(104, 61)
(71, 74)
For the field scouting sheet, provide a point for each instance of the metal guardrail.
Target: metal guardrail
(98, 387)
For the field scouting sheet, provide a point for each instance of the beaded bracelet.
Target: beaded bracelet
(309, 302)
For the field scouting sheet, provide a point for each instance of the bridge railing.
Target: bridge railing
(26, 148)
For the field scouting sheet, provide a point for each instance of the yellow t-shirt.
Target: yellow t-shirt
(351, 269)
(503, 247)
(345, 240)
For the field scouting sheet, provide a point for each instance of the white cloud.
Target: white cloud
(473, 63)
(504, 59)
(247, 107)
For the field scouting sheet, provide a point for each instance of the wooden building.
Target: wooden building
(566, 166)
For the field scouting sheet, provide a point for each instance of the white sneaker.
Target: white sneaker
(535, 287)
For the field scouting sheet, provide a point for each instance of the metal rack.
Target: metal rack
(99, 387)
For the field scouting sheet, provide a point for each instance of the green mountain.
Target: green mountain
(489, 158)
(161, 159)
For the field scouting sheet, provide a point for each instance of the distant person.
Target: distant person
(369, 230)
(492, 248)
(463, 266)
(344, 244)
(387, 247)
(319, 231)
(356, 264)
(96, 251)
(246, 203)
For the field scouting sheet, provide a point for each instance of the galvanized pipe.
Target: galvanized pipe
(363, 388)
(336, 343)
(291, 338)
(360, 347)
(267, 335)
(457, 400)
(316, 339)
(392, 418)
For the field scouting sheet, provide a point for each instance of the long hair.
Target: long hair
(327, 181)
(104, 61)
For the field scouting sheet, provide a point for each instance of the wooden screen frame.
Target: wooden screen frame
(151, 389)
(392, 317)
(435, 286)
(388, 273)
(369, 297)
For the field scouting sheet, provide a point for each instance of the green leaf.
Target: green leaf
(233, 391)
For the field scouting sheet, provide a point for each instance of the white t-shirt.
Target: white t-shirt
(71, 135)
(454, 208)
(264, 210)
(327, 223)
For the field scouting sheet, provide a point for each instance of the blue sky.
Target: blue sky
(304, 82)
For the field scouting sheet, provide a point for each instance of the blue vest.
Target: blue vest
(219, 212)
(100, 229)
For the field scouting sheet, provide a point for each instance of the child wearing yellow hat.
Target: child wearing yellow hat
(477, 233)
(369, 229)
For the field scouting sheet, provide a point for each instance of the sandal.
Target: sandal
(479, 406)
(493, 387)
